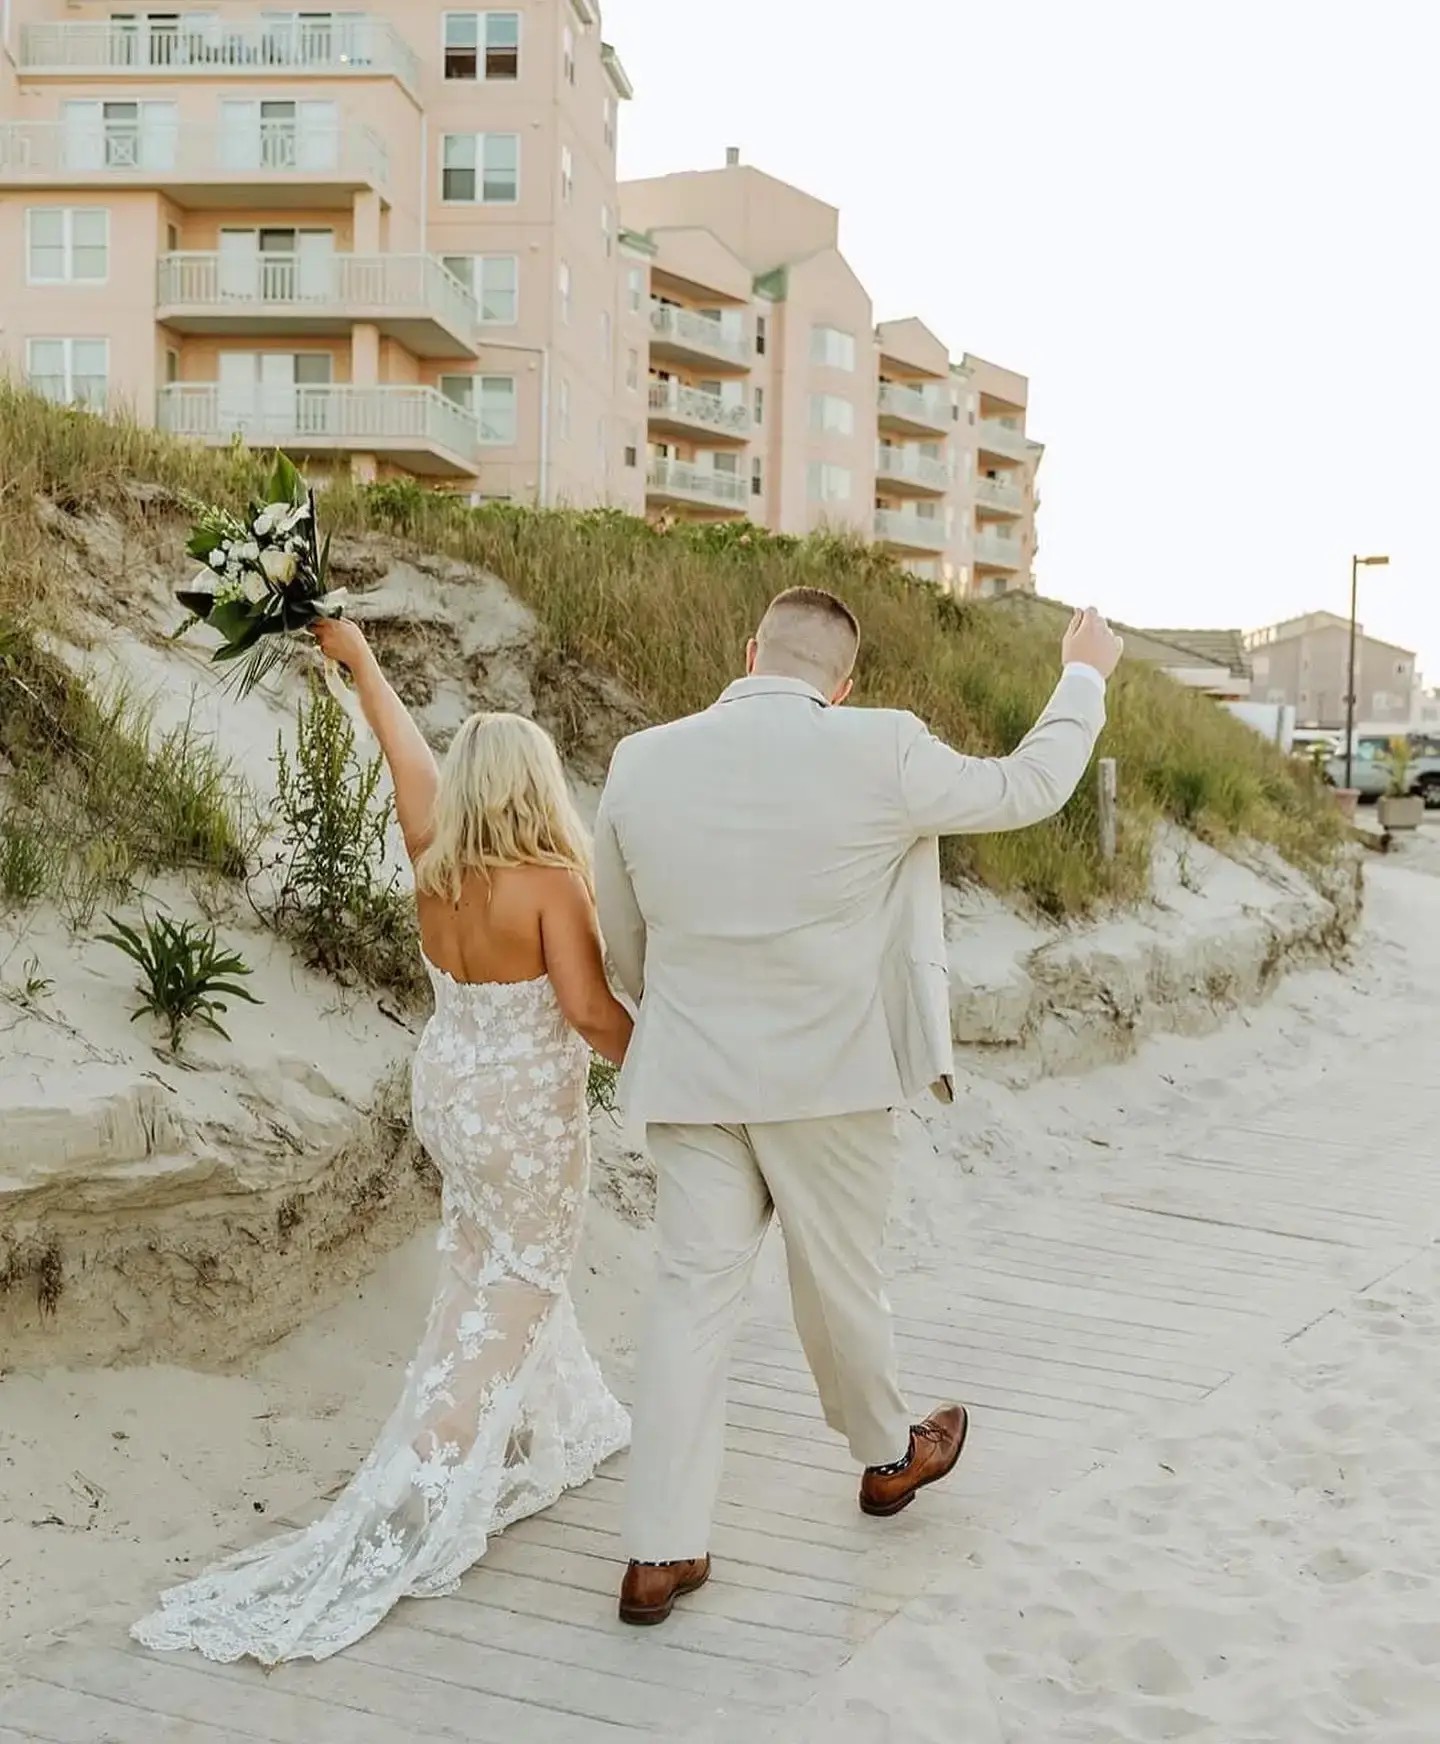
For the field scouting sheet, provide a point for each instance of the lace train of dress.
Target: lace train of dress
(503, 1407)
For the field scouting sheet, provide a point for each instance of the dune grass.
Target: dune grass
(666, 611)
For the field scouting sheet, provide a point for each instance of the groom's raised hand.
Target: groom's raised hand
(1091, 642)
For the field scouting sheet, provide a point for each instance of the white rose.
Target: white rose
(254, 587)
(217, 558)
(248, 552)
(279, 566)
(292, 519)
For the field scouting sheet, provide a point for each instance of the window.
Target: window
(607, 231)
(632, 445)
(480, 168)
(632, 370)
(564, 283)
(830, 415)
(836, 350)
(759, 407)
(172, 239)
(828, 484)
(567, 55)
(609, 123)
(482, 44)
(497, 409)
(67, 244)
(605, 334)
(567, 173)
(635, 288)
(172, 364)
(72, 372)
(757, 477)
(760, 335)
(493, 280)
(564, 408)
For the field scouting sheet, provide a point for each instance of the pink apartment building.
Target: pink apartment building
(393, 240)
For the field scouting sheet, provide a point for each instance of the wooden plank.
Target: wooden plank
(347, 1698)
(581, 1692)
(749, 1562)
(651, 1658)
(726, 1637)
(47, 1713)
(727, 1595)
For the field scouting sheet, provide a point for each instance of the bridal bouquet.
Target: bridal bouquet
(264, 575)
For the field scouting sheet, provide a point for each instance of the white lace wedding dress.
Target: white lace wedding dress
(503, 1407)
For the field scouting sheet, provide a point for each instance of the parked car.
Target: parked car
(1372, 766)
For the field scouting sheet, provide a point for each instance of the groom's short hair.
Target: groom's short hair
(809, 633)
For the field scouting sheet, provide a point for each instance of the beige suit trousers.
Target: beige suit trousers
(829, 1182)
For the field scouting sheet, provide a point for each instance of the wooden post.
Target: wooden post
(1106, 767)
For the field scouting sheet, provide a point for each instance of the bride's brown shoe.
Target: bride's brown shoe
(650, 1589)
(935, 1446)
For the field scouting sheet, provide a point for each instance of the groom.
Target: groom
(769, 887)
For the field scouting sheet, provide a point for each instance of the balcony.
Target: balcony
(694, 339)
(909, 472)
(278, 164)
(678, 482)
(999, 496)
(1002, 436)
(914, 410)
(206, 48)
(409, 297)
(909, 531)
(686, 411)
(993, 552)
(415, 427)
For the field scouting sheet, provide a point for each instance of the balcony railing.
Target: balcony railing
(1003, 436)
(915, 406)
(337, 416)
(37, 151)
(678, 404)
(997, 494)
(909, 466)
(415, 284)
(999, 553)
(688, 330)
(895, 527)
(677, 478)
(206, 46)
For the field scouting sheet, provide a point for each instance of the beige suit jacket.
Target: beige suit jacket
(768, 878)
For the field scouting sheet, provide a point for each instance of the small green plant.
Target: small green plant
(24, 861)
(600, 1086)
(1400, 766)
(337, 900)
(187, 975)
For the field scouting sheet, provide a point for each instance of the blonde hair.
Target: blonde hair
(502, 802)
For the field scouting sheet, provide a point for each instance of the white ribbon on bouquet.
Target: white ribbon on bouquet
(331, 605)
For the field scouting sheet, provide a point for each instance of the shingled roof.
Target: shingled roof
(1217, 647)
(1154, 647)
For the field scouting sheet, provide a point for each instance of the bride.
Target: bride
(503, 1407)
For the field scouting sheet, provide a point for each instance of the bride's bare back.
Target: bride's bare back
(496, 930)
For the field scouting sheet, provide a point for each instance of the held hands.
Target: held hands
(1091, 641)
(342, 640)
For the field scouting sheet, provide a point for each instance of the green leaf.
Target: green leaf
(286, 484)
(233, 618)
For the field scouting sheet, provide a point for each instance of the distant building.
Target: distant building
(1211, 661)
(1305, 662)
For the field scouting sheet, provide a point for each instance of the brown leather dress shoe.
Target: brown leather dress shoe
(650, 1589)
(935, 1446)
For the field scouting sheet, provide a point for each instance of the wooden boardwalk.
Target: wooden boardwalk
(1065, 1325)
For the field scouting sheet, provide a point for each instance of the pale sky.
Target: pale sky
(1206, 232)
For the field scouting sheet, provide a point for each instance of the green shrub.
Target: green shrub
(186, 975)
(26, 865)
(337, 902)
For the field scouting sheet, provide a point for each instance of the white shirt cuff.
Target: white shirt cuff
(1082, 670)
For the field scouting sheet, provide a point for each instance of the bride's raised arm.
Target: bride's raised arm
(413, 769)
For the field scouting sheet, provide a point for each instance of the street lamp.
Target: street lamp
(1356, 565)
